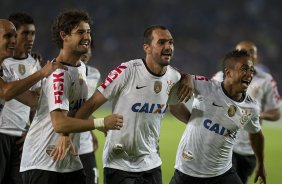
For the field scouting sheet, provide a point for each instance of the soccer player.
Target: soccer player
(63, 92)
(15, 115)
(140, 90)
(11, 87)
(264, 90)
(219, 111)
(88, 140)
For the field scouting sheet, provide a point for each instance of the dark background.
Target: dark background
(203, 30)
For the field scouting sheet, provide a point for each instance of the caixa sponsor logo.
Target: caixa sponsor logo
(112, 76)
(219, 129)
(149, 108)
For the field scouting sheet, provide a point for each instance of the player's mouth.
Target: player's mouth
(246, 82)
(11, 47)
(29, 45)
(166, 55)
(167, 52)
(85, 44)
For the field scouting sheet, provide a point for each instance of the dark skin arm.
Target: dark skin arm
(181, 112)
(29, 98)
(257, 142)
(186, 87)
(270, 115)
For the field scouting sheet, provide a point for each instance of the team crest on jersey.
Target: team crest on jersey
(21, 69)
(246, 117)
(231, 110)
(80, 78)
(49, 149)
(158, 86)
(118, 149)
(187, 155)
(169, 86)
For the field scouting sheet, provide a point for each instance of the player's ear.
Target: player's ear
(227, 72)
(63, 35)
(147, 48)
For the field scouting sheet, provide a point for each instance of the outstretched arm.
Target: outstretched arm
(65, 124)
(9, 90)
(257, 142)
(29, 98)
(92, 104)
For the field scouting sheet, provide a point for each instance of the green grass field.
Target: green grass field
(171, 133)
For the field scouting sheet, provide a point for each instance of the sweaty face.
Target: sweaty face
(250, 48)
(162, 47)
(242, 74)
(7, 39)
(79, 39)
(25, 39)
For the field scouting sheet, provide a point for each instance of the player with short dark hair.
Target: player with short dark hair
(263, 89)
(140, 90)
(219, 111)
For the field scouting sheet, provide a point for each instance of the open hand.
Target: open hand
(62, 147)
(185, 90)
(50, 67)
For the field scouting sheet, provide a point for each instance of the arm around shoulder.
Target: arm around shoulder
(180, 111)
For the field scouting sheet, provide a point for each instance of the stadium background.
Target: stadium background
(203, 31)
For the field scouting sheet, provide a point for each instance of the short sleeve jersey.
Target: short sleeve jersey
(92, 77)
(205, 149)
(64, 90)
(141, 97)
(8, 77)
(263, 89)
(15, 117)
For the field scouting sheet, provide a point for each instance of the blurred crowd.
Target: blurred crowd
(203, 30)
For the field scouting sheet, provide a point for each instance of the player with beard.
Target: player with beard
(140, 90)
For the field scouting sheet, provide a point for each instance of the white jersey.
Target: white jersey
(92, 77)
(65, 90)
(15, 115)
(205, 149)
(264, 90)
(141, 97)
(9, 76)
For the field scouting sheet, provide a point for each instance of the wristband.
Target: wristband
(98, 123)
